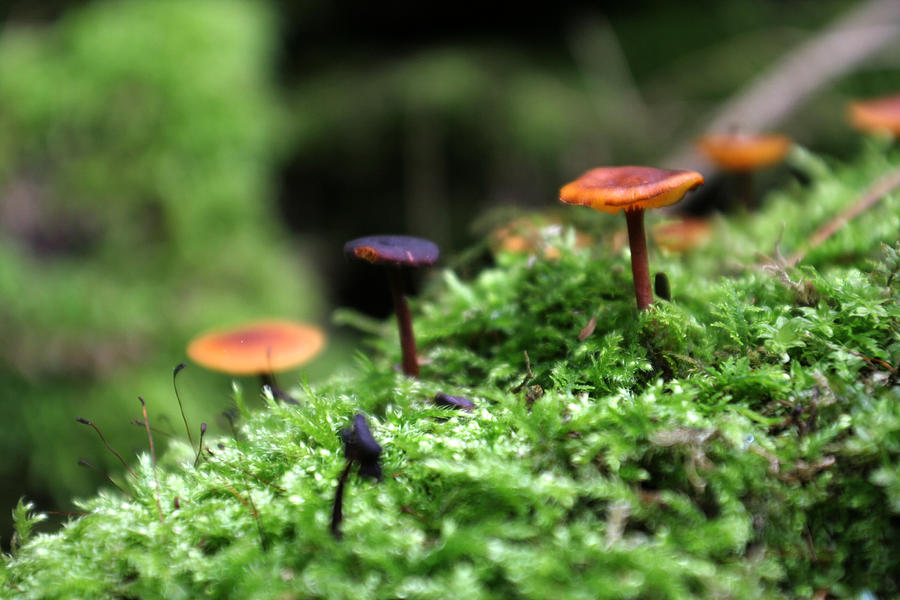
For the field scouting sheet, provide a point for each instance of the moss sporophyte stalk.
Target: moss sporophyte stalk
(752, 452)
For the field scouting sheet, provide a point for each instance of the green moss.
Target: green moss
(134, 188)
(742, 441)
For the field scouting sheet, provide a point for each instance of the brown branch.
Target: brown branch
(529, 376)
(873, 195)
(775, 94)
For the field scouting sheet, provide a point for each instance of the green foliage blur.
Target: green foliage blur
(138, 143)
(431, 133)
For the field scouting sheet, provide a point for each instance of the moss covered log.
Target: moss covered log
(740, 441)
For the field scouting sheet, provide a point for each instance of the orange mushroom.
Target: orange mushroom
(877, 115)
(632, 189)
(683, 235)
(260, 348)
(743, 153)
(530, 234)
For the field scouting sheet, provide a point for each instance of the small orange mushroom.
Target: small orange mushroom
(531, 234)
(260, 348)
(632, 189)
(878, 115)
(683, 235)
(743, 153)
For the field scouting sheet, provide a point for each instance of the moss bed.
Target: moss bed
(740, 441)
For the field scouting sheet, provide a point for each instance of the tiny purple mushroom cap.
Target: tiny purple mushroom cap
(393, 250)
(458, 402)
(360, 445)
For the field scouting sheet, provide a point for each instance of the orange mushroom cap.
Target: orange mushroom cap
(612, 189)
(878, 114)
(683, 235)
(528, 234)
(741, 151)
(256, 348)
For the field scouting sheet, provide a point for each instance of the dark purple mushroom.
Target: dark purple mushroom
(359, 447)
(395, 252)
(458, 402)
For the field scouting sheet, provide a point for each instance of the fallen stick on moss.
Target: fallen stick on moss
(873, 195)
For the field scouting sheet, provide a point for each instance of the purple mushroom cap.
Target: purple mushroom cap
(458, 402)
(359, 445)
(393, 250)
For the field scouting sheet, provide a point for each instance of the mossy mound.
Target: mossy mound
(741, 441)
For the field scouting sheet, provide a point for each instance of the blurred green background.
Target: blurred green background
(170, 166)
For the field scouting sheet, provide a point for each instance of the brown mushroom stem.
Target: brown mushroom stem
(640, 264)
(404, 323)
(746, 190)
(279, 394)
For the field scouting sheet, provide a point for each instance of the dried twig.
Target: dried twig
(529, 375)
(588, 329)
(777, 267)
(775, 94)
(873, 195)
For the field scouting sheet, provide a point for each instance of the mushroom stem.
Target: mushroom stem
(279, 394)
(746, 189)
(640, 265)
(337, 512)
(404, 323)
